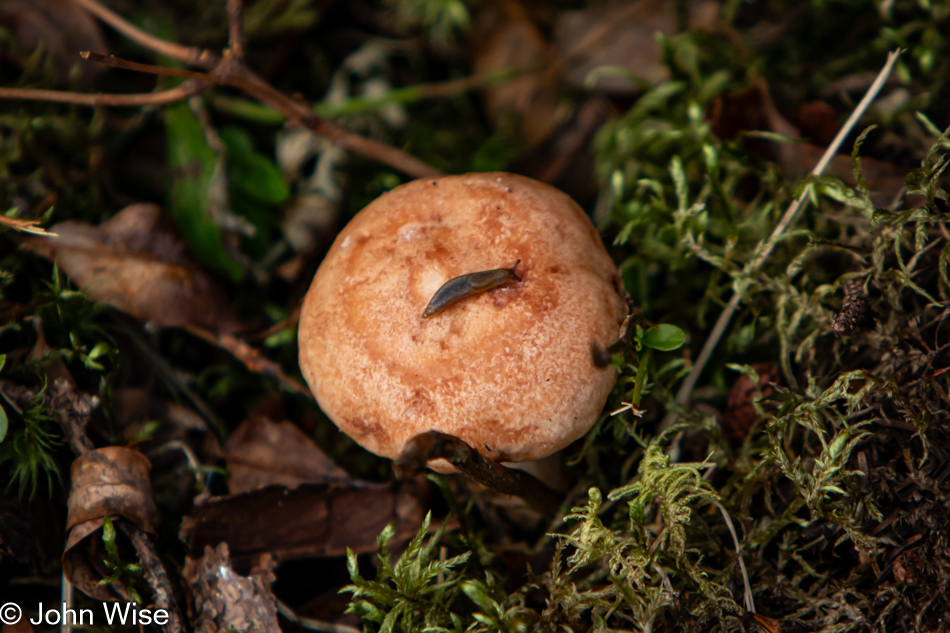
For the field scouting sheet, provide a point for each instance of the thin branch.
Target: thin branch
(683, 395)
(189, 55)
(236, 28)
(118, 62)
(231, 72)
(251, 358)
(162, 97)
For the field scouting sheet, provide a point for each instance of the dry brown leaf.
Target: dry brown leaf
(740, 411)
(310, 521)
(63, 29)
(227, 602)
(261, 453)
(139, 266)
(753, 109)
(112, 481)
(619, 34)
(506, 39)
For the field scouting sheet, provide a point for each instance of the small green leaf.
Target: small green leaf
(251, 172)
(4, 423)
(664, 337)
(194, 167)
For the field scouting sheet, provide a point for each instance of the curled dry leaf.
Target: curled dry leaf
(226, 601)
(261, 453)
(112, 481)
(140, 266)
(312, 520)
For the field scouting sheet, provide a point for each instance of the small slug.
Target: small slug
(467, 285)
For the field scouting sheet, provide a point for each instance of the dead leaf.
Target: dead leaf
(135, 406)
(740, 411)
(506, 39)
(112, 481)
(261, 453)
(753, 110)
(310, 521)
(225, 601)
(139, 266)
(617, 34)
(62, 28)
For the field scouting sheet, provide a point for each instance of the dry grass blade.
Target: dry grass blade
(25, 226)
(682, 396)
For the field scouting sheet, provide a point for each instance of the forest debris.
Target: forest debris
(505, 39)
(262, 453)
(621, 35)
(311, 520)
(139, 266)
(112, 481)
(227, 602)
(24, 226)
(740, 411)
(732, 115)
(906, 568)
(853, 308)
(59, 26)
(252, 359)
(134, 407)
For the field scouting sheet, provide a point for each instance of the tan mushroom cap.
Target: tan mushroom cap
(508, 371)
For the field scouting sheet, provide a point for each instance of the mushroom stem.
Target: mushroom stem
(468, 461)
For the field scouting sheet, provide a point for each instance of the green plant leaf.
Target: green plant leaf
(251, 172)
(664, 337)
(4, 423)
(194, 167)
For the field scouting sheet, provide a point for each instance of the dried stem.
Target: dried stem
(185, 90)
(155, 575)
(236, 28)
(683, 395)
(230, 71)
(251, 358)
(118, 62)
(435, 445)
(187, 54)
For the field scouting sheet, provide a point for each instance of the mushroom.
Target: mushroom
(506, 368)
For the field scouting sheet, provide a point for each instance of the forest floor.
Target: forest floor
(777, 461)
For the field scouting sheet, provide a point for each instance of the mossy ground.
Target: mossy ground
(837, 492)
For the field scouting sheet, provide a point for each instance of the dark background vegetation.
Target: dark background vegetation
(829, 453)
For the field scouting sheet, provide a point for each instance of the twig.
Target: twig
(118, 62)
(468, 461)
(682, 396)
(185, 90)
(236, 28)
(251, 358)
(155, 575)
(189, 55)
(231, 72)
